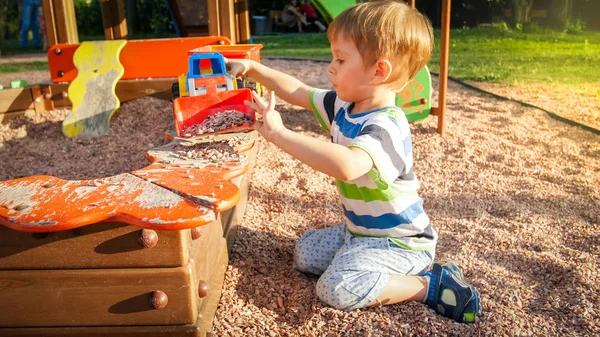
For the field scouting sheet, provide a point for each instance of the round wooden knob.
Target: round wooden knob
(158, 299)
(196, 233)
(64, 94)
(148, 238)
(57, 51)
(61, 73)
(202, 288)
(221, 42)
(423, 101)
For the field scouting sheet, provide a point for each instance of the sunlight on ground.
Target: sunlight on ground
(577, 103)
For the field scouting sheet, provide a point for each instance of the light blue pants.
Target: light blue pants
(354, 270)
(30, 22)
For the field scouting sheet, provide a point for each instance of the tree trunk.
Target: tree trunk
(9, 22)
(131, 15)
(3, 25)
(561, 13)
(521, 10)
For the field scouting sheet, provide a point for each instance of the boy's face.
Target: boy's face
(347, 72)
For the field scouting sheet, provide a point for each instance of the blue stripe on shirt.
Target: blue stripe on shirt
(347, 128)
(407, 142)
(388, 220)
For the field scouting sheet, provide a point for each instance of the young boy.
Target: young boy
(381, 253)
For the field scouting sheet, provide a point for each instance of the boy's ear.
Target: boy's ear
(383, 70)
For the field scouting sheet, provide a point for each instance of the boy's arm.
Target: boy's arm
(288, 88)
(340, 162)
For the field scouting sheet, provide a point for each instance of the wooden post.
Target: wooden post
(227, 20)
(236, 20)
(214, 24)
(113, 19)
(49, 21)
(61, 25)
(242, 21)
(444, 53)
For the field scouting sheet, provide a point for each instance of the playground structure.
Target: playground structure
(146, 76)
(227, 23)
(212, 18)
(140, 252)
(159, 235)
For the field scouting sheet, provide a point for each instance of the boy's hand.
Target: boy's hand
(238, 67)
(271, 123)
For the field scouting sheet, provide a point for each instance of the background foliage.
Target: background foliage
(151, 17)
(10, 19)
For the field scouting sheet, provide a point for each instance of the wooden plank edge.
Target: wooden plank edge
(5, 117)
(189, 330)
(234, 216)
(208, 307)
(127, 90)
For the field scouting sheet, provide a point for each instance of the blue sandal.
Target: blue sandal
(476, 304)
(450, 295)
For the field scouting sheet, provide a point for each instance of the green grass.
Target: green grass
(482, 54)
(11, 47)
(24, 66)
(510, 57)
(485, 54)
(302, 46)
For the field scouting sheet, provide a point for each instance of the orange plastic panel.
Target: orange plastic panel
(204, 187)
(155, 58)
(172, 193)
(50, 204)
(237, 51)
(194, 109)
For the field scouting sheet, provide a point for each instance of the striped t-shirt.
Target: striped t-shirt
(384, 202)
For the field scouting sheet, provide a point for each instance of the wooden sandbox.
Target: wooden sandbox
(94, 267)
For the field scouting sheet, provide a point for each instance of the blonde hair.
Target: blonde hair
(390, 30)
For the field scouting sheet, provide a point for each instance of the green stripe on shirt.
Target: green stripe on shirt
(392, 113)
(379, 181)
(316, 111)
(353, 192)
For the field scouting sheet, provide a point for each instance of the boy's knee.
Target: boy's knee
(303, 264)
(316, 249)
(304, 255)
(328, 290)
(349, 290)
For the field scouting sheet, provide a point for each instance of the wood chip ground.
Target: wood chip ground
(513, 193)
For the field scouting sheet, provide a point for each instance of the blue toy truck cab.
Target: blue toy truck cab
(204, 66)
